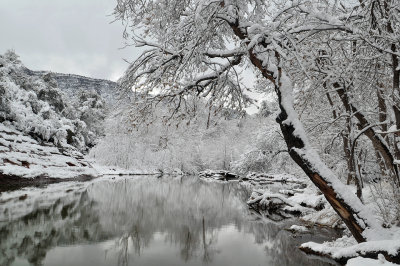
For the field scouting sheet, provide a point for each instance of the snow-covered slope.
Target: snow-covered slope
(43, 130)
(21, 156)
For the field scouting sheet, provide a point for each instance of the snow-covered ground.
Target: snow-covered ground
(24, 157)
(103, 170)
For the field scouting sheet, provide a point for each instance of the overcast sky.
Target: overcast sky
(68, 36)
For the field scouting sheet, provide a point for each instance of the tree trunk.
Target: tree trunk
(377, 141)
(346, 141)
(382, 107)
(395, 79)
(397, 134)
(321, 176)
(350, 209)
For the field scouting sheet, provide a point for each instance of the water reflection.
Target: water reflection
(142, 221)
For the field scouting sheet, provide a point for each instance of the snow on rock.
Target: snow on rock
(360, 261)
(345, 248)
(21, 156)
(266, 195)
(298, 229)
(264, 199)
(269, 178)
(219, 175)
(283, 193)
(309, 200)
(325, 217)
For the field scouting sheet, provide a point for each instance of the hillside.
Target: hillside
(38, 106)
(71, 83)
(45, 125)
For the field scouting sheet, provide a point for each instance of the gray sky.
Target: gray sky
(68, 36)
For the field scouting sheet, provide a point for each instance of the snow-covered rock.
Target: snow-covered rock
(219, 175)
(360, 261)
(345, 248)
(270, 178)
(298, 229)
(23, 160)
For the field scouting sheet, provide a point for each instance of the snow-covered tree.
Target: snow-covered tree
(307, 51)
(207, 141)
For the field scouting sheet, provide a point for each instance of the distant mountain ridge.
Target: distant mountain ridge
(70, 83)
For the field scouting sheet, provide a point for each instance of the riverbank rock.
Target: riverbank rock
(298, 229)
(263, 179)
(219, 175)
(25, 161)
(386, 246)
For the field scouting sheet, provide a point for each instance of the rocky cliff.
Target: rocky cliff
(71, 83)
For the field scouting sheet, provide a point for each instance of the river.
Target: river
(145, 221)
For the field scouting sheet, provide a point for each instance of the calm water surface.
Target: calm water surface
(144, 221)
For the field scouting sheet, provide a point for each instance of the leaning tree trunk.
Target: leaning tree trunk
(341, 198)
(346, 204)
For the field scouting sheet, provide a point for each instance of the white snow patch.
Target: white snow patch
(347, 247)
(22, 156)
(298, 228)
(360, 261)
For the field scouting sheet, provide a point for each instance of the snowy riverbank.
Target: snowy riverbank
(24, 161)
(281, 196)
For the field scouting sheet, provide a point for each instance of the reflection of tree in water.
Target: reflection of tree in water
(172, 207)
(208, 250)
(187, 212)
(123, 256)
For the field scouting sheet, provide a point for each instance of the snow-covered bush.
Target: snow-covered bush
(267, 151)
